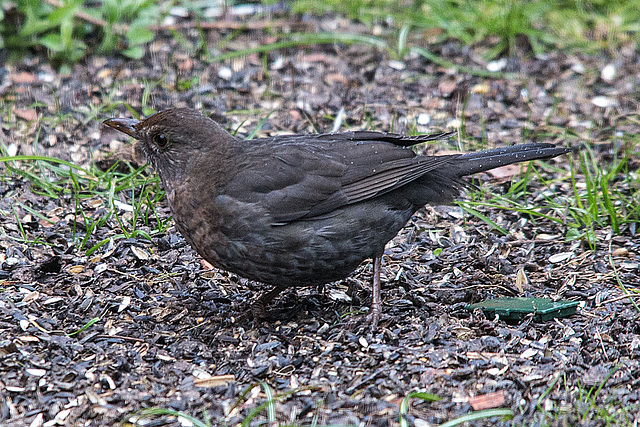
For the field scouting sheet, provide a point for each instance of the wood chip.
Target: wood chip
(36, 372)
(620, 252)
(75, 269)
(141, 254)
(126, 300)
(31, 296)
(559, 257)
(522, 280)
(28, 114)
(487, 401)
(214, 381)
(23, 77)
(53, 300)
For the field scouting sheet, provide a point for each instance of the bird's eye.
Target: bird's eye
(160, 140)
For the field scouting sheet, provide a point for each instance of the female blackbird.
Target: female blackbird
(300, 210)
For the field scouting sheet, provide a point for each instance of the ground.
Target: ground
(170, 331)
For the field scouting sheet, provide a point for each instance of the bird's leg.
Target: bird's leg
(376, 301)
(259, 308)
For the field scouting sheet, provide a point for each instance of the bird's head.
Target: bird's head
(174, 140)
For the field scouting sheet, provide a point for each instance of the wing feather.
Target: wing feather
(304, 177)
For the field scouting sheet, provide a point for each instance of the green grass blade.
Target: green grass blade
(303, 39)
(460, 68)
(152, 412)
(479, 415)
(484, 218)
(86, 326)
(44, 159)
(403, 410)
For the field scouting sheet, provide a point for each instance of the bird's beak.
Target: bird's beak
(124, 125)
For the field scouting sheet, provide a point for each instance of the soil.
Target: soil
(171, 331)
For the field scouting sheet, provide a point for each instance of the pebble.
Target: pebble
(225, 73)
(424, 119)
(608, 73)
(603, 101)
(495, 66)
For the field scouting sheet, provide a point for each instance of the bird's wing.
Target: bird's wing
(393, 138)
(311, 176)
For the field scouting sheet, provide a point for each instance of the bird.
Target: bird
(303, 209)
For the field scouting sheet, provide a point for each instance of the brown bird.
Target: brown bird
(300, 210)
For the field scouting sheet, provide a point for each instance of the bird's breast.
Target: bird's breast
(241, 237)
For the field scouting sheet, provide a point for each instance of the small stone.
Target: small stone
(603, 101)
(12, 150)
(481, 88)
(424, 119)
(578, 68)
(363, 342)
(495, 66)
(225, 73)
(182, 12)
(620, 252)
(11, 263)
(324, 328)
(608, 73)
(278, 63)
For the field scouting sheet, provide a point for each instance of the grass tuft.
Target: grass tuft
(131, 197)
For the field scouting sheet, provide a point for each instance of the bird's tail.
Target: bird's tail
(468, 164)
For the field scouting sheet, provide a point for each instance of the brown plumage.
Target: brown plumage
(300, 210)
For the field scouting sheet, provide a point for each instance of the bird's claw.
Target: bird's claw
(373, 318)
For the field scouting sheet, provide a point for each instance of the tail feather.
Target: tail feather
(468, 164)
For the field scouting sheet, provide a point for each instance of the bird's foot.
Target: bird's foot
(259, 307)
(373, 318)
(376, 300)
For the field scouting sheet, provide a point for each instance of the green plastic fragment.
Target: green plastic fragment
(517, 308)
